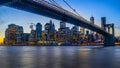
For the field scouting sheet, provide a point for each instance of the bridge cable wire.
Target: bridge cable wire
(71, 7)
(51, 1)
(54, 2)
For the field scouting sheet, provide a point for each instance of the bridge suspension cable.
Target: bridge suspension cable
(54, 2)
(70, 7)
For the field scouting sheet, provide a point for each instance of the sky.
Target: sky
(86, 8)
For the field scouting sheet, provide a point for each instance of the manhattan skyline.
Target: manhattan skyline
(87, 8)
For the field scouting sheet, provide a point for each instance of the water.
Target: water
(59, 57)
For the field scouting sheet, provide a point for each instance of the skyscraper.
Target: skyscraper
(75, 34)
(62, 24)
(82, 30)
(32, 37)
(10, 34)
(52, 31)
(103, 22)
(92, 20)
(19, 34)
(38, 32)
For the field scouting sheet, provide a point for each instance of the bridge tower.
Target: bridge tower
(109, 40)
(103, 22)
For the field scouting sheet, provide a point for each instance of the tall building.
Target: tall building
(38, 32)
(25, 38)
(10, 34)
(92, 20)
(62, 24)
(47, 30)
(82, 30)
(82, 33)
(103, 22)
(32, 37)
(19, 34)
(87, 32)
(50, 31)
(75, 34)
(63, 34)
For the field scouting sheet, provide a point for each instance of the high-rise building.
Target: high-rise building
(103, 22)
(82, 30)
(75, 34)
(92, 20)
(19, 34)
(63, 34)
(47, 26)
(50, 31)
(25, 38)
(62, 24)
(32, 37)
(87, 32)
(75, 28)
(38, 32)
(82, 33)
(10, 34)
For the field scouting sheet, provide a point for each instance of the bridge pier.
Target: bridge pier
(109, 40)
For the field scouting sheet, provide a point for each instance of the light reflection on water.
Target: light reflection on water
(59, 57)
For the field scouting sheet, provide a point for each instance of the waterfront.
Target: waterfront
(59, 57)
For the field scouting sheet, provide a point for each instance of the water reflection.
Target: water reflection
(59, 57)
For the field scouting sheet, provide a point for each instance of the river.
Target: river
(59, 57)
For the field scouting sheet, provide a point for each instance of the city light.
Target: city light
(14, 35)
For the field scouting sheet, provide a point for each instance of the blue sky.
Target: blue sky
(86, 8)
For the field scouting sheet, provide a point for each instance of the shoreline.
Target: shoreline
(89, 44)
(55, 45)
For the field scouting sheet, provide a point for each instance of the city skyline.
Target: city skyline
(111, 10)
(14, 35)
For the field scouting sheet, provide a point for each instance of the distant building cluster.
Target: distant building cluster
(14, 35)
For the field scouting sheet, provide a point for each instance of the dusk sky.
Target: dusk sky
(86, 8)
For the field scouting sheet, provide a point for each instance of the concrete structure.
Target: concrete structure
(47, 9)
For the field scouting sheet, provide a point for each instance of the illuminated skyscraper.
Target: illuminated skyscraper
(19, 35)
(82, 30)
(10, 34)
(47, 30)
(50, 31)
(38, 32)
(75, 34)
(32, 37)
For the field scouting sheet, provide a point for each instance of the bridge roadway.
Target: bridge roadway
(47, 9)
